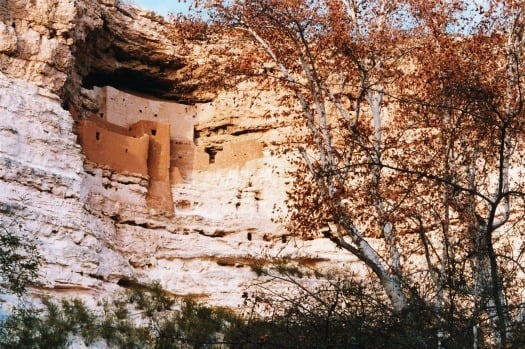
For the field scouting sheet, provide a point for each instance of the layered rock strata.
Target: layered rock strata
(94, 215)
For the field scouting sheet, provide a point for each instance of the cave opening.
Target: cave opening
(128, 80)
(104, 58)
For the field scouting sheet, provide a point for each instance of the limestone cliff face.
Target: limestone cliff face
(43, 185)
(92, 215)
(36, 39)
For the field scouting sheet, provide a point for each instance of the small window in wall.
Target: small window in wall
(249, 236)
(212, 152)
(101, 115)
(212, 157)
(97, 135)
(283, 238)
(154, 132)
(126, 150)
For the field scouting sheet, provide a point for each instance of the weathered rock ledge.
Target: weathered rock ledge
(92, 223)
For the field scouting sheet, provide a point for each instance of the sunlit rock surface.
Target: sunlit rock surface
(92, 222)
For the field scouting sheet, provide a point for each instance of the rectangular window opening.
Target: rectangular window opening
(212, 151)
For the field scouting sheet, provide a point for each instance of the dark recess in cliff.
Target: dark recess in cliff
(130, 80)
(127, 60)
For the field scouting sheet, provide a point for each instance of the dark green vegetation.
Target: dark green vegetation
(19, 256)
(335, 314)
(139, 318)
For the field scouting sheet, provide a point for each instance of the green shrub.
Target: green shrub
(19, 258)
(342, 313)
(338, 314)
(198, 325)
(28, 328)
(140, 318)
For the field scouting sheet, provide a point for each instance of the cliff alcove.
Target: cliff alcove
(124, 163)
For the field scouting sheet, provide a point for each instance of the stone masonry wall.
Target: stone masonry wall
(106, 147)
(124, 109)
(159, 192)
(143, 149)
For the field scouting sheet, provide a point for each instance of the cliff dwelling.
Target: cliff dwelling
(155, 139)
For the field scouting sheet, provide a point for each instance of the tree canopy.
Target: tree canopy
(410, 116)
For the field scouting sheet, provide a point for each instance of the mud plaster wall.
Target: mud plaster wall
(159, 192)
(143, 148)
(172, 157)
(231, 154)
(124, 109)
(182, 161)
(106, 147)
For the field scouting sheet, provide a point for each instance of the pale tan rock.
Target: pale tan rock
(92, 222)
(93, 225)
(8, 39)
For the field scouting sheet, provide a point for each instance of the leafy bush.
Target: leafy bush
(194, 326)
(140, 318)
(29, 328)
(341, 313)
(19, 258)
